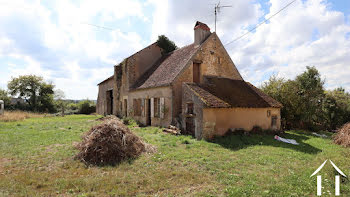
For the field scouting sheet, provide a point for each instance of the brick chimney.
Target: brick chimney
(201, 32)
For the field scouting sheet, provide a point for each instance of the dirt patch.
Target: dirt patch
(3, 163)
(53, 147)
(110, 143)
(343, 135)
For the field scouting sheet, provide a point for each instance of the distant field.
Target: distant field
(36, 160)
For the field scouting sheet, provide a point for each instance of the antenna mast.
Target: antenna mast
(217, 10)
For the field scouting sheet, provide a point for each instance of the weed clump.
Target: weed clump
(110, 143)
(343, 135)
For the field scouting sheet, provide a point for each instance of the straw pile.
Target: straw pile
(343, 135)
(110, 143)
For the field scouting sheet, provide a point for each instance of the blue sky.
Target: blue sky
(54, 39)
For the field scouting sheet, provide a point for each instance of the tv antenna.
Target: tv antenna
(217, 10)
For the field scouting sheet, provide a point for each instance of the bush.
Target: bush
(73, 106)
(86, 107)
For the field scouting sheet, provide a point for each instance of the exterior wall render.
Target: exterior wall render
(246, 118)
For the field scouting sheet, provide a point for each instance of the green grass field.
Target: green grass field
(36, 159)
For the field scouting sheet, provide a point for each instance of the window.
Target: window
(196, 72)
(219, 60)
(156, 107)
(268, 113)
(189, 108)
(137, 107)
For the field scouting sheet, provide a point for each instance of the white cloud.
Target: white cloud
(53, 39)
(305, 34)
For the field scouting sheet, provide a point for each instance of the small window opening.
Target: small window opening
(190, 108)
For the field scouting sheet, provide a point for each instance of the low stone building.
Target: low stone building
(197, 88)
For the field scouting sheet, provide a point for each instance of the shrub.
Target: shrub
(86, 107)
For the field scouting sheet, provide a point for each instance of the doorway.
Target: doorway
(190, 126)
(148, 112)
(109, 97)
(125, 107)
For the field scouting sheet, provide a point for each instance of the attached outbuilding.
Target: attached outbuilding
(219, 104)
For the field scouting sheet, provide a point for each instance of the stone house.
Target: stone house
(197, 88)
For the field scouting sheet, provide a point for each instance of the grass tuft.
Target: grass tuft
(11, 116)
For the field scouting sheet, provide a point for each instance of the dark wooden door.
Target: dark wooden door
(190, 127)
(148, 111)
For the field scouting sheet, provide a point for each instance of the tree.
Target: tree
(311, 93)
(306, 104)
(86, 107)
(166, 44)
(336, 108)
(286, 93)
(35, 91)
(5, 97)
(59, 99)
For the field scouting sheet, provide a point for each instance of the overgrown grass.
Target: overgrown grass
(10, 116)
(36, 159)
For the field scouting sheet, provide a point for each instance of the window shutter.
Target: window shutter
(152, 107)
(161, 107)
(142, 107)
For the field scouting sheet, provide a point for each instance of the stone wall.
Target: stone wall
(101, 105)
(160, 92)
(211, 51)
(129, 71)
(189, 96)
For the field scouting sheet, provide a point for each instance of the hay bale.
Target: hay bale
(110, 143)
(343, 135)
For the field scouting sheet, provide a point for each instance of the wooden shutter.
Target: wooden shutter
(152, 107)
(161, 107)
(142, 107)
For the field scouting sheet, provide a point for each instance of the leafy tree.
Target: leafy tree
(166, 44)
(5, 97)
(336, 108)
(286, 93)
(306, 104)
(86, 107)
(311, 93)
(35, 91)
(59, 100)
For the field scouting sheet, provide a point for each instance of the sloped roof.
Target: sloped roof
(220, 92)
(164, 71)
(209, 99)
(111, 77)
